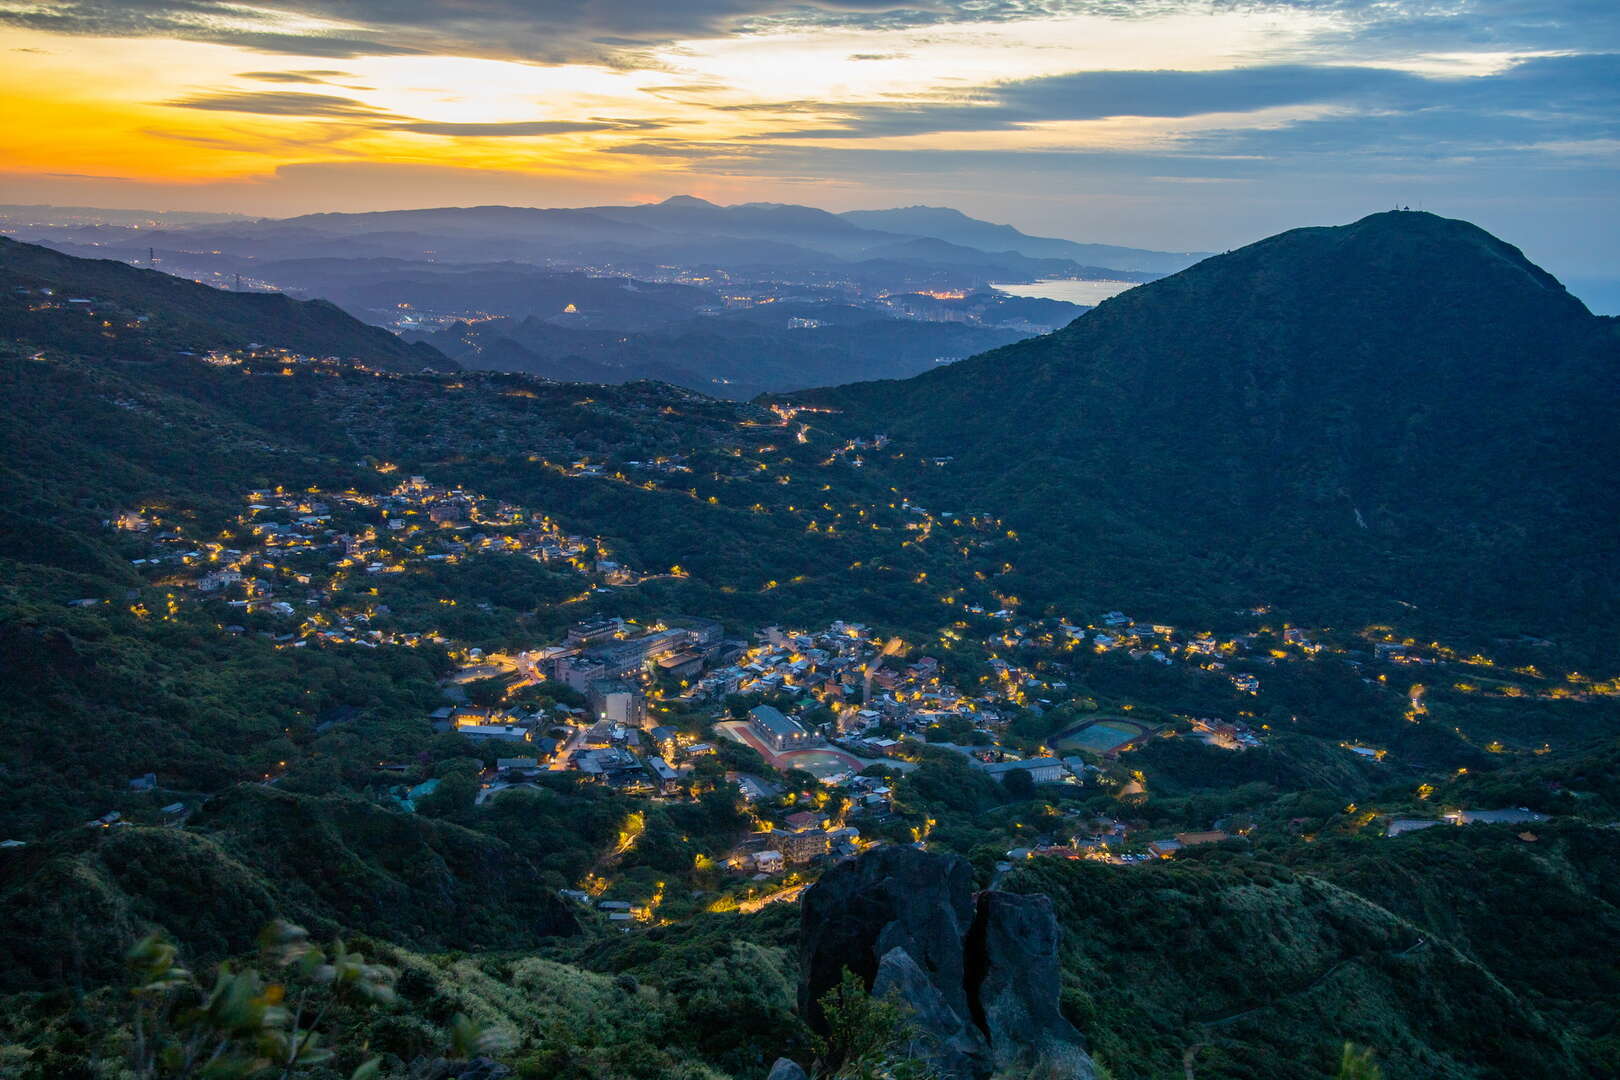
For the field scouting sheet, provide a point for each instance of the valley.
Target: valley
(563, 695)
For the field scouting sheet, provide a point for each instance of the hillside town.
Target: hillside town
(663, 709)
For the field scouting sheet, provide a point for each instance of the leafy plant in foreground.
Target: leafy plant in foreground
(247, 1023)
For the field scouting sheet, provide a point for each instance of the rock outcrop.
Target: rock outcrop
(978, 974)
(787, 1069)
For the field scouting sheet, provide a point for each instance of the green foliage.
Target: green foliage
(1357, 1064)
(868, 1038)
(330, 863)
(1269, 972)
(247, 1023)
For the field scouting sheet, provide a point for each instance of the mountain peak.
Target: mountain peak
(1427, 256)
(1406, 397)
(691, 201)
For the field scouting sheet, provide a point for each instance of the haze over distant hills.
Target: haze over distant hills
(944, 223)
(681, 229)
(612, 293)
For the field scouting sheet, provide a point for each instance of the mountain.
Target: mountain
(195, 760)
(943, 223)
(641, 239)
(1402, 409)
(930, 251)
(780, 221)
(44, 214)
(256, 852)
(101, 306)
(1232, 968)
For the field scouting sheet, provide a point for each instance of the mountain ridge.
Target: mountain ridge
(161, 312)
(1379, 391)
(947, 223)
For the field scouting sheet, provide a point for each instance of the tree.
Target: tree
(1356, 1063)
(868, 1038)
(1019, 784)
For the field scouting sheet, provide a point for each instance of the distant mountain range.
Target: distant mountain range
(1404, 407)
(943, 223)
(682, 230)
(616, 293)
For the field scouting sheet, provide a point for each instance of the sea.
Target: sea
(1074, 291)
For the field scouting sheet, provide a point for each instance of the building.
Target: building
(596, 632)
(579, 672)
(682, 665)
(1042, 770)
(665, 778)
(615, 767)
(618, 702)
(803, 821)
(480, 732)
(1398, 826)
(218, 579)
(620, 658)
(665, 740)
(1517, 816)
(801, 847)
(449, 511)
(779, 732)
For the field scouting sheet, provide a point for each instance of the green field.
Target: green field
(818, 763)
(1100, 736)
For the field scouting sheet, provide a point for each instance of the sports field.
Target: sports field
(1100, 736)
(818, 763)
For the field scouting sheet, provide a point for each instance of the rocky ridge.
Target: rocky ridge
(978, 972)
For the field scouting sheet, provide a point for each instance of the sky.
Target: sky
(1170, 124)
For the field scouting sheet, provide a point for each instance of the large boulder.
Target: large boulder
(1012, 965)
(977, 974)
(787, 1069)
(891, 897)
(948, 1040)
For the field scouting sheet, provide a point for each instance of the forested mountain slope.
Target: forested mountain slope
(1400, 409)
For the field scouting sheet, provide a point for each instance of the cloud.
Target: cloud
(280, 103)
(1526, 110)
(1534, 118)
(522, 127)
(601, 31)
(294, 103)
(317, 75)
(1372, 28)
(625, 33)
(1097, 95)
